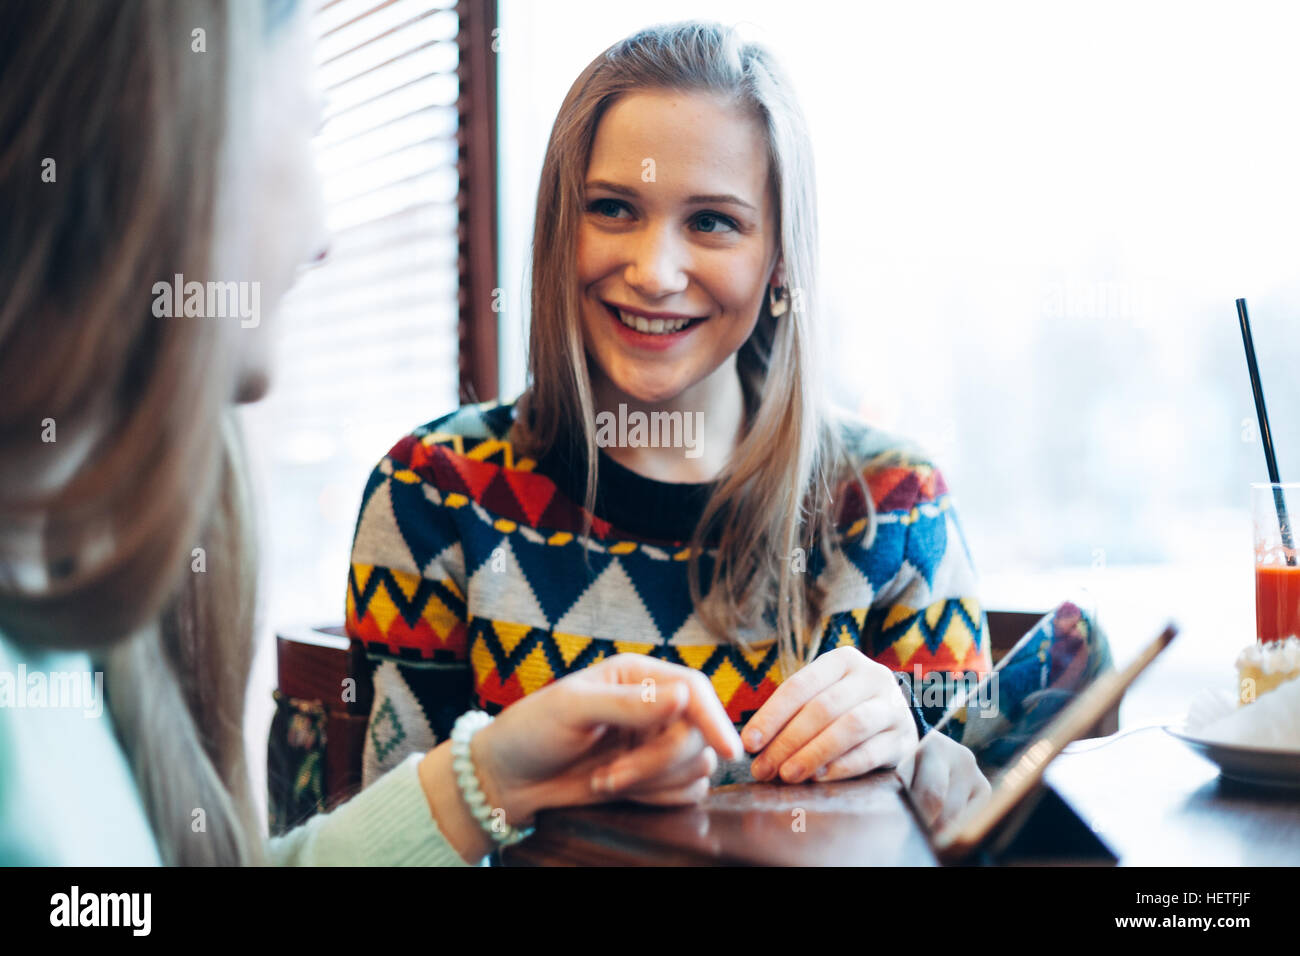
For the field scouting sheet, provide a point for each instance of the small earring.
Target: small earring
(777, 301)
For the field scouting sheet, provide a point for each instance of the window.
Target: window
(1034, 223)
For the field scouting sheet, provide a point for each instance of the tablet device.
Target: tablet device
(992, 823)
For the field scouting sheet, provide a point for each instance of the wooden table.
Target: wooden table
(1156, 803)
(860, 822)
(1145, 795)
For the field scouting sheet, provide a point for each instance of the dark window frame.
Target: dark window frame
(477, 233)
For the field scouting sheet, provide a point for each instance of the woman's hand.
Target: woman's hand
(841, 716)
(687, 764)
(578, 741)
(943, 779)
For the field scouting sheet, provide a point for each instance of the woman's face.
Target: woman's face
(677, 222)
(285, 202)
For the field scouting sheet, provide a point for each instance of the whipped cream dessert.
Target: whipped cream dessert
(1263, 666)
(1272, 723)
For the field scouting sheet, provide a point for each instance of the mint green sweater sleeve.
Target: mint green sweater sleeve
(56, 734)
(387, 824)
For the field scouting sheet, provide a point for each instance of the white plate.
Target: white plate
(1261, 766)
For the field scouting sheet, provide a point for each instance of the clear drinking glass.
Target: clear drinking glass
(1274, 509)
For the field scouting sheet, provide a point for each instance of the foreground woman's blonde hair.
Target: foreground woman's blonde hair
(775, 495)
(98, 525)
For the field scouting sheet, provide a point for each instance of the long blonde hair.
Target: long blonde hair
(114, 462)
(776, 493)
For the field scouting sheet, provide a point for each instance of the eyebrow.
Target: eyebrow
(697, 198)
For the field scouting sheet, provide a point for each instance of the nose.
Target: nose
(657, 266)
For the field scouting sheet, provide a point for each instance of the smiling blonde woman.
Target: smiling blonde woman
(800, 560)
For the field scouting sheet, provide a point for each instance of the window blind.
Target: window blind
(379, 338)
(369, 340)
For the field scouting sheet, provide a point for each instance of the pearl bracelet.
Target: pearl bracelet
(489, 818)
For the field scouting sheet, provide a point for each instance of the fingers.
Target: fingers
(706, 712)
(792, 694)
(651, 676)
(625, 706)
(884, 748)
(674, 758)
(930, 786)
(699, 767)
(968, 786)
(817, 716)
(980, 791)
(866, 757)
(946, 781)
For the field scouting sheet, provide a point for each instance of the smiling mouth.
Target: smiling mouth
(639, 323)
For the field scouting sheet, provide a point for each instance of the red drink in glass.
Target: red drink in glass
(1274, 508)
(1277, 602)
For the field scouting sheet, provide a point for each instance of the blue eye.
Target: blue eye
(714, 218)
(597, 205)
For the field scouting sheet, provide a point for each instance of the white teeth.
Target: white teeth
(652, 326)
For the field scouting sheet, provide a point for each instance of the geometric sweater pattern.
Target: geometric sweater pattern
(471, 583)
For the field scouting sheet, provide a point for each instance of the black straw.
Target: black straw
(1279, 500)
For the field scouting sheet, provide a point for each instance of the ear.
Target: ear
(778, 273)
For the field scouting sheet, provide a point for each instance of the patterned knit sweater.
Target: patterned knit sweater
(468, 585)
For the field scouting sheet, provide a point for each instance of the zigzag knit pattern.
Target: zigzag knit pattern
(471, 583)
